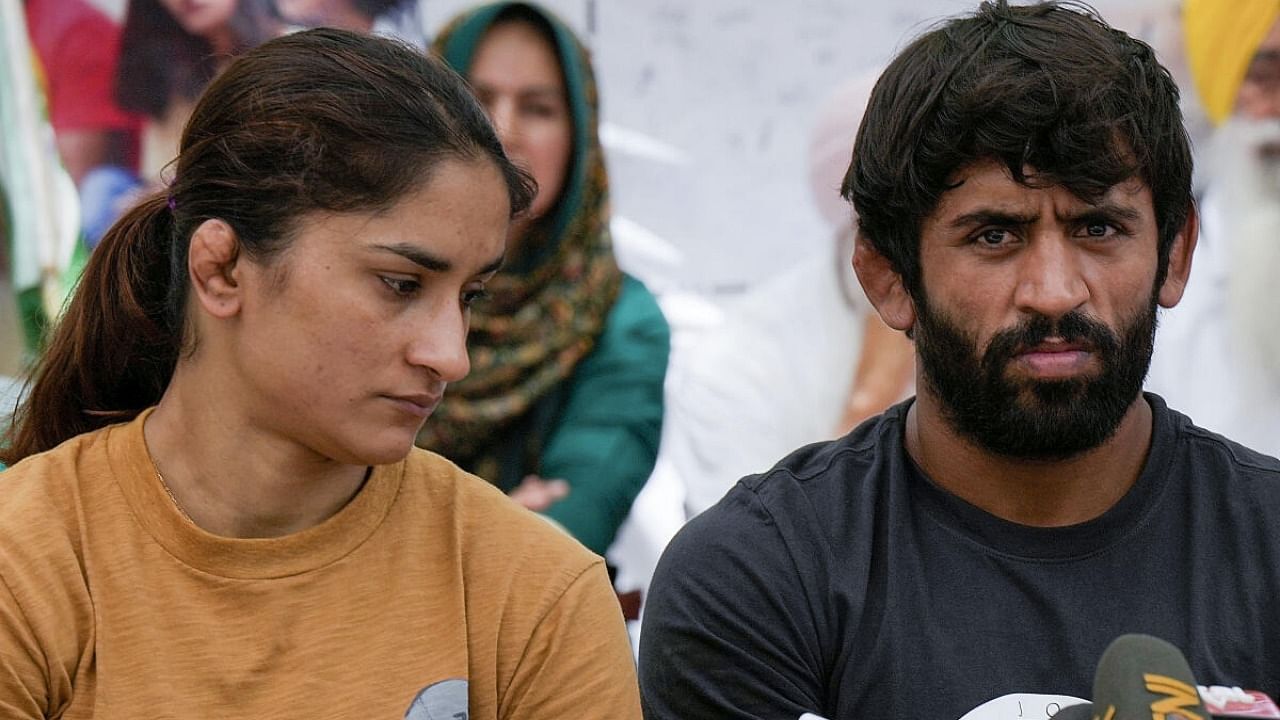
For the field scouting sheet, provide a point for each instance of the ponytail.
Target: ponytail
(113, 352)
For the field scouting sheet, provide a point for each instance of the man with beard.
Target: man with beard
(1218, 357)
(1023, 185)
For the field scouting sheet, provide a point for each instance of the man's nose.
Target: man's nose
(1050, 281)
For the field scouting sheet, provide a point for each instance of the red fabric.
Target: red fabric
(78, 47)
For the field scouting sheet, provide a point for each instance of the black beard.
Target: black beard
(1029, 419)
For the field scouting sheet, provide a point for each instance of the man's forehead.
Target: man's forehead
(990, 183)
(1270, 42)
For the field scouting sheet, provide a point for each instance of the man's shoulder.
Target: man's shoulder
(1201, 449)
(861, 460)
(819, 489)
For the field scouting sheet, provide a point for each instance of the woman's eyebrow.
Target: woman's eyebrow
(432, 262)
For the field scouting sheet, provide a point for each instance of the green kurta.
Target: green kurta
(606, 439)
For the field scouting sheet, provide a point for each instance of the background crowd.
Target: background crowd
(664, 324)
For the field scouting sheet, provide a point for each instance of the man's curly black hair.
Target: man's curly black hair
(1050, 87)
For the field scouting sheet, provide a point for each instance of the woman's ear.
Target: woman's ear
(211, 263)
(883, 285)
(1179, 268)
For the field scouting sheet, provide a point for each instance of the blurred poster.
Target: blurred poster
(400, 19)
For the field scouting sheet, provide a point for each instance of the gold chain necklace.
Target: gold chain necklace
(169, 491)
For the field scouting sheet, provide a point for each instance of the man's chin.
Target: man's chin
(1033, 394)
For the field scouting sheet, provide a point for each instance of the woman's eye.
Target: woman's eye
(401, 287)
(471, 297)
(542, 110)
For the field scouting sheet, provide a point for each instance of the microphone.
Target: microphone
(1140, 676)
(1233, 702)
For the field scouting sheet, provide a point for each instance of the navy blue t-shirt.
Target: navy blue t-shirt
(844, 583)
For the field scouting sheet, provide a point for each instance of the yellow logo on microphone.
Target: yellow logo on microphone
(1180, 698)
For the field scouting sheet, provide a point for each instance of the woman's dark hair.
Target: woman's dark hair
(1048, 86)
(321, 120)
(160, 61)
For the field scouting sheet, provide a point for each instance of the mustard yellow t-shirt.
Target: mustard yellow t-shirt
(431, 595)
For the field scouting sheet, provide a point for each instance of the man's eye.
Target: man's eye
(994, 236)
(1098, 229)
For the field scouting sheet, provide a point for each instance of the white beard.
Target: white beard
(1245, 182)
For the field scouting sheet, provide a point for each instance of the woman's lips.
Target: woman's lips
(417, 405)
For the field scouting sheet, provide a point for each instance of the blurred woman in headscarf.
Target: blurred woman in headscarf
(563, 405)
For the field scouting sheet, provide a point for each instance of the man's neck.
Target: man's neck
(1037, 493)
(234, 478)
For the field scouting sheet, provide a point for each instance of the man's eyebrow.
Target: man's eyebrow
(435, 264)
(1104, 210)
(992, 216)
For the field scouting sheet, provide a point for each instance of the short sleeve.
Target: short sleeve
(728, 630)
(578, 661)
(24, 691)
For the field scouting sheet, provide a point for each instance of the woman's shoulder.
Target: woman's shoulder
(49, 487)
(47, 498)
(636, 306)
(635, 327)
(493, 531)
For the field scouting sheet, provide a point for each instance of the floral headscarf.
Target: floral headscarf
(545, 314)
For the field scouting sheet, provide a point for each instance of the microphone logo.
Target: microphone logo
(1179, 701)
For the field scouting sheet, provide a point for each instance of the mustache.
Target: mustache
(1075, 327)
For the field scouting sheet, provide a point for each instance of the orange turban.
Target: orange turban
(1222, 37)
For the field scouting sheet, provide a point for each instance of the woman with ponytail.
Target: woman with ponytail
(215, 507)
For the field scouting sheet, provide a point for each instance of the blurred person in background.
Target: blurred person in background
(400, 19)
(170, 50)
(10, 344)
(1218, 357)
(217, 506)
(801, 358)
(563, 407)
(78, 47)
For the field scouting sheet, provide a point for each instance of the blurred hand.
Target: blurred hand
(537, 494)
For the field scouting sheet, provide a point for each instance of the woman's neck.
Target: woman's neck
(231, 476)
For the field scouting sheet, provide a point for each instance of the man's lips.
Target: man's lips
(1056, 359)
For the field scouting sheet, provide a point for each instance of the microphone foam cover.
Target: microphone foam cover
(1140, 676)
